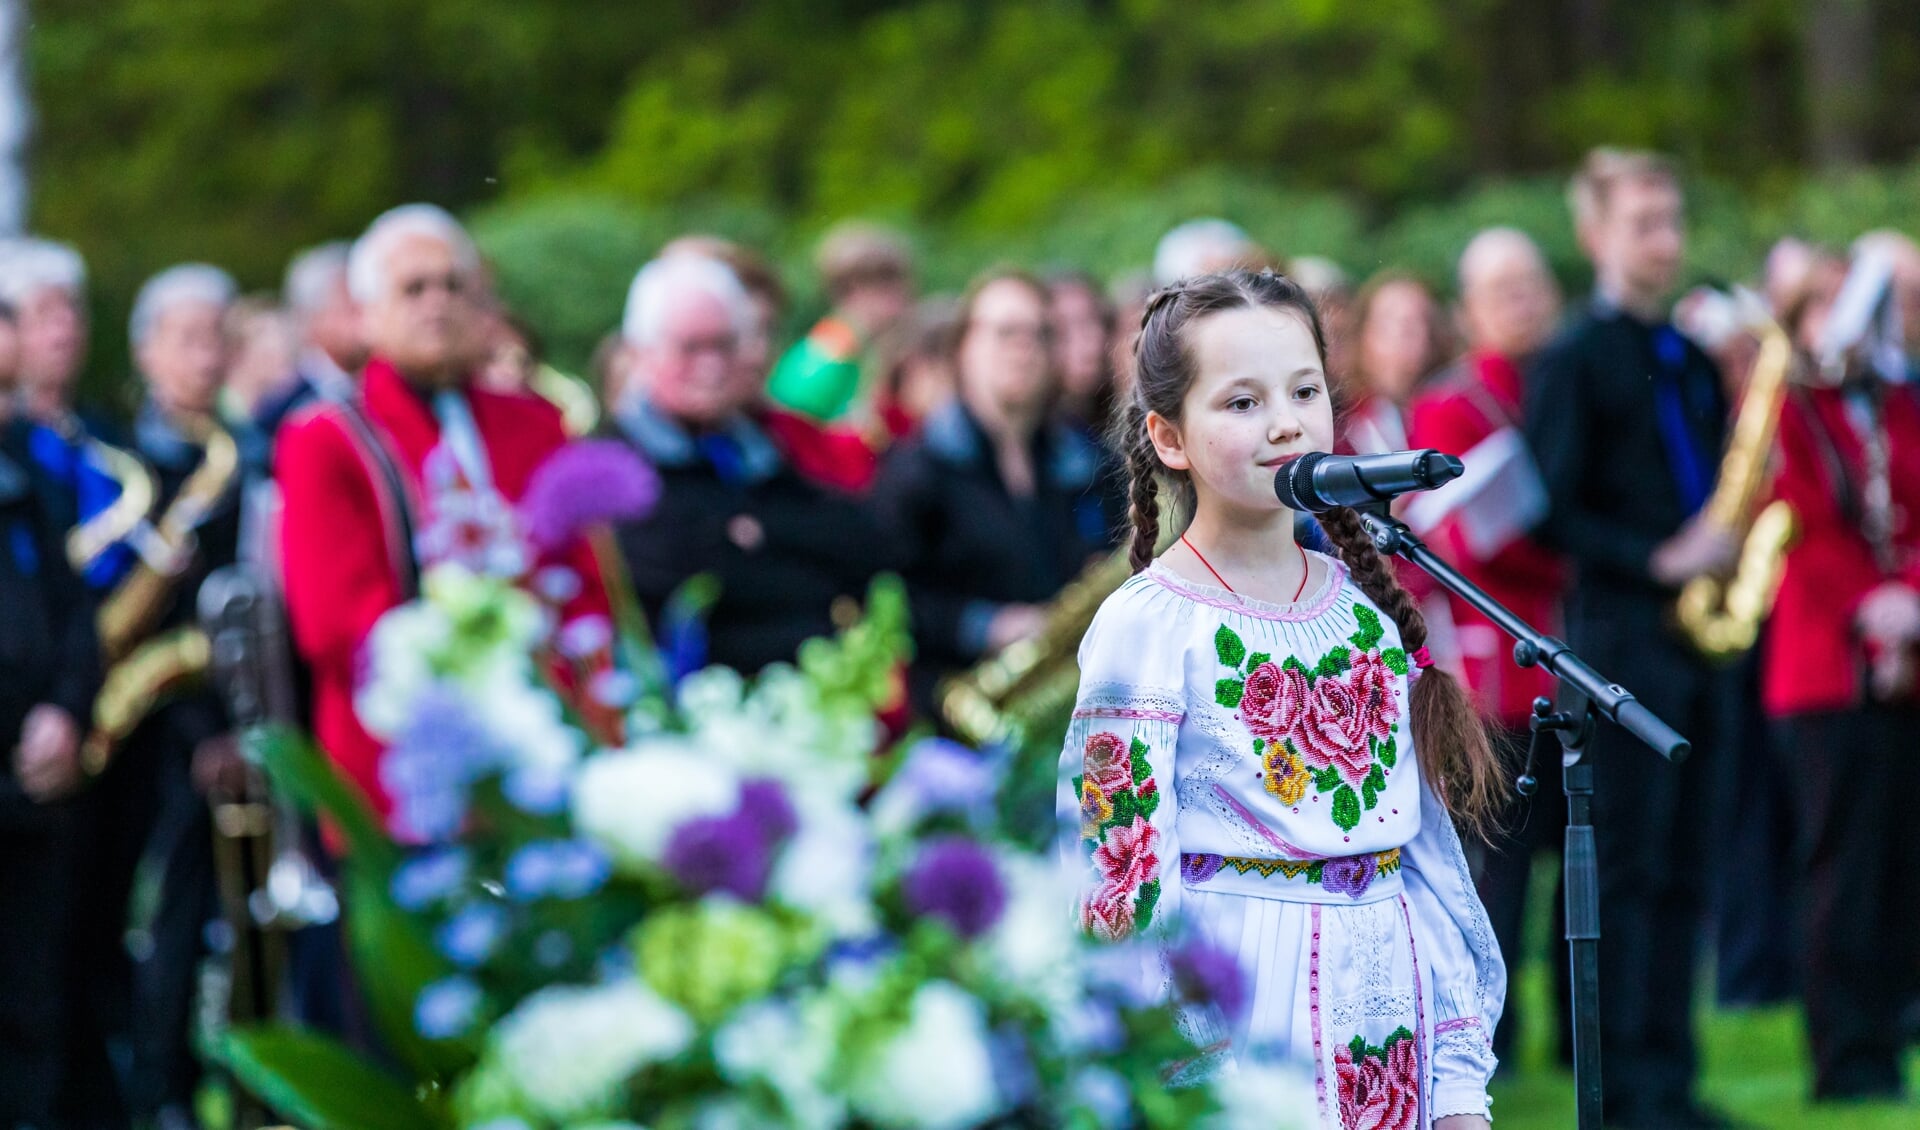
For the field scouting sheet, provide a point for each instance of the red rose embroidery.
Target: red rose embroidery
(1373, 683)
(1379, 1090)
(1108, 763)
(1275, 701)
(1335, 731)
(1108, 912)
(1127, 857)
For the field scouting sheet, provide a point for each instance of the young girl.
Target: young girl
(1260, 750)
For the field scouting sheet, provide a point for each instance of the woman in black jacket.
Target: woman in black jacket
(995, 506)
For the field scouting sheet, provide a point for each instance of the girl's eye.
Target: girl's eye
(1240, 404)
(1306, 392)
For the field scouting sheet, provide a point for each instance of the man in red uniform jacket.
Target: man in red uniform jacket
(1509, 305)
(424, 467)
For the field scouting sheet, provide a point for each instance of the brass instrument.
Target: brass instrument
(1722, 618)
(579, 407)
(268, 886)
(1003, 699)
(93, 537)
(143, 668)
(167, 550)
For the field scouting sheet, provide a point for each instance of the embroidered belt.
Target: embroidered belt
(1344, 878)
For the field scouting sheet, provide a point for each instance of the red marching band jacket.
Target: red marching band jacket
(1452, 415)
(340, 540)
(1814, 659)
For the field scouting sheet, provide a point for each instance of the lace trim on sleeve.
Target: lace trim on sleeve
(1123, 700)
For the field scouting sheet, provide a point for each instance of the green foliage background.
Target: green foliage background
(580, 134)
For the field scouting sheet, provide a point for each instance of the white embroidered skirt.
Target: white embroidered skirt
(1335, 982)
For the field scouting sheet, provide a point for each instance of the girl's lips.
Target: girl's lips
(1276, 464)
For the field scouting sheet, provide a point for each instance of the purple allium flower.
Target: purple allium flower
(584, 484)
(470, 936)
(1350, 875)
(429, 768)
(564, 869)
(428, 878)
(720, 853)
(1206, 974)
(1198, 867)
(955, 880)
(446, 1008)
(764, 804)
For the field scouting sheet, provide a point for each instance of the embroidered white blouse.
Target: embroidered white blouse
(1232, 746)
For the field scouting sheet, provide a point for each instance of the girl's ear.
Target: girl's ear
(1167, 443)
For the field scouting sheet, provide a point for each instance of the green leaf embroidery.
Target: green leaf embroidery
(1079, 788)
(1144, 904)
(1142, 769)
(1228, 647)
(1147, 804)
(1125, 806)
(1316, 869)
(1326, 780)
(1333, 663)
(1395, 659)
(1377, 778)
(1370, 633)
(1369, 794)
(1257, 660)
(1346, 808)
(1228, 692)
(1388, 753)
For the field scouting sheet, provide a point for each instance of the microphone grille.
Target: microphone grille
(1294, 482)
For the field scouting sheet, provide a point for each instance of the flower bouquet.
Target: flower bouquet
(732, 909)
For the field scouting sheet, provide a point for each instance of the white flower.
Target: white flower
(825, 870)
(630, 803)
(1264, 1096)
(525, 720)
(399, 666)
(936, 1073)
(771, 1041)
(1035, 939)
(715, 692)
(568, 1049)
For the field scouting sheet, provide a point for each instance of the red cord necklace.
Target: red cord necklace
(1305, 570)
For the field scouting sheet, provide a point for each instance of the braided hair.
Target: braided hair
(1455, 755)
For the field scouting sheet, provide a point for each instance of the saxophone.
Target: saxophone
(144, 668)
(1722, 618)
(1003, 699)
(93, 537)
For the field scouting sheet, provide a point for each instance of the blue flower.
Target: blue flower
(428, 878)
(471, 935)
(432, 765)
(537, 792)
(955, 880)
(446, 1008)
(565, 869)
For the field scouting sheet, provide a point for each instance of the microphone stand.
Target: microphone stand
(1586, 696)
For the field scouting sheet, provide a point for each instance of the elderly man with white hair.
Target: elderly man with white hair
(732, 505)
(327, 320)
(46, 282)
(149, 802)
(422, 467)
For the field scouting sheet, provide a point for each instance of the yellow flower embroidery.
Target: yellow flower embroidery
(1095, 810)
(1286, 777)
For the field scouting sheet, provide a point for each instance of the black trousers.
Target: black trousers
(1652, 823)
(1756, 947)
(35, 881)
(1503, 873)
(1856, 774)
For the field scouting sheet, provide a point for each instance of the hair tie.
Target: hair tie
(1421, 659)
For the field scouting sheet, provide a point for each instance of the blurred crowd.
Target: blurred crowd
(386, 410)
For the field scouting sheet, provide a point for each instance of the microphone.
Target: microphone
(1318, 481)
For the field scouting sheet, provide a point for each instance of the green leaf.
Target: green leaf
(1369, 793)
(1315, 870)
(1346, 808)
(1258, 660)
(1125, 806)
(1333, 663)
(1326, 780)
(1149, 803)
(1371, 632)
(1229, 692)
(1292, 663)
(1144, 904)
(1388, 753)
(1078, 784)
(384, 938)
(317, 1083)
(1395, 659)
(298, 766)
(1228, 647)
(1376, 778)
(1142, 768)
